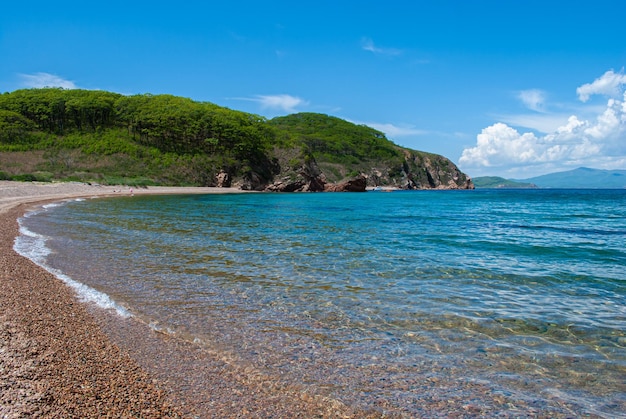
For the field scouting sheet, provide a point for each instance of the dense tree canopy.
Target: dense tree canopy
(166, 122)
(85, 134)
(335, 139)
(58, 110)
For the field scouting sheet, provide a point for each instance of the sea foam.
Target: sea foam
(33, 246)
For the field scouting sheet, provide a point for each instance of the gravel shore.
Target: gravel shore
(54, 360)
(57, 362)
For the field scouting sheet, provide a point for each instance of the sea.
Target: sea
(511, 302)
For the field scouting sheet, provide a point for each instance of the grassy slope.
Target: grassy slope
(144, 139)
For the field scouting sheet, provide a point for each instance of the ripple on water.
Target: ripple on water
(491, 302)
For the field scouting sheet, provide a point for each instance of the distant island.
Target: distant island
(499, 182)
(581, 178)
(104, 137)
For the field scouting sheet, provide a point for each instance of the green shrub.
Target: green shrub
(25, 177)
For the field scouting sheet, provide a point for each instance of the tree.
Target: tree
(14, 127)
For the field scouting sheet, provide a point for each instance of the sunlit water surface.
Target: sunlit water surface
(397, 296)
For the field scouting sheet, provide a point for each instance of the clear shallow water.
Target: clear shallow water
(505, 299)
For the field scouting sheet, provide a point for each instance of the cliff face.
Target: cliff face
(417, 171)
(319, 149)
(431, 171)
(306, 178)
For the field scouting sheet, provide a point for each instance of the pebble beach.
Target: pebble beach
(65, 356)
(56, 360)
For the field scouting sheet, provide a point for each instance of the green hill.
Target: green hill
(106, 137)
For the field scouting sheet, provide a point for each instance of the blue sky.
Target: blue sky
(508, 88)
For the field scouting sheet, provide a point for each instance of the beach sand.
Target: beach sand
(60, 358)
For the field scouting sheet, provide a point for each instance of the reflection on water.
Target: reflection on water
(500, 298)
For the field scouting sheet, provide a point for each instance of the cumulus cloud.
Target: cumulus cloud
(597, 141)
(39, 80)
(368, 45)
(609, 84)
(533, 99)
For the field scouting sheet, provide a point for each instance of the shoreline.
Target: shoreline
(61, 357)
(56, 359)
(14, 193)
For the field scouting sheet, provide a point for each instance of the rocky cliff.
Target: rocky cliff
(327, 153)
(417, 171)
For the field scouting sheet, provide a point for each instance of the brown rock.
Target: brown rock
(222, 180)
(358, 184)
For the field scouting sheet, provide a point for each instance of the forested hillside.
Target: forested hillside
(105, 137)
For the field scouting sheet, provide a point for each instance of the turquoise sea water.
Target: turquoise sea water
(512, 300)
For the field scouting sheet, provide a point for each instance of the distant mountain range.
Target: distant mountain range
(581, 178)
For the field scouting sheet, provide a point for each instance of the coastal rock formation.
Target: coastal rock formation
(341, 151)
(358, 184)
(439, 173)
(418, 171)
(222, 179)
(297, 174)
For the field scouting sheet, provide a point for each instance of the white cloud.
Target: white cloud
(500, 144)
(39, 80)
(393, 131)
(598, 140)
(533, 99)
(286, 103)
(609, 84)
(610, 121)
(368, 45)
(542, 122)
(283, 102)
